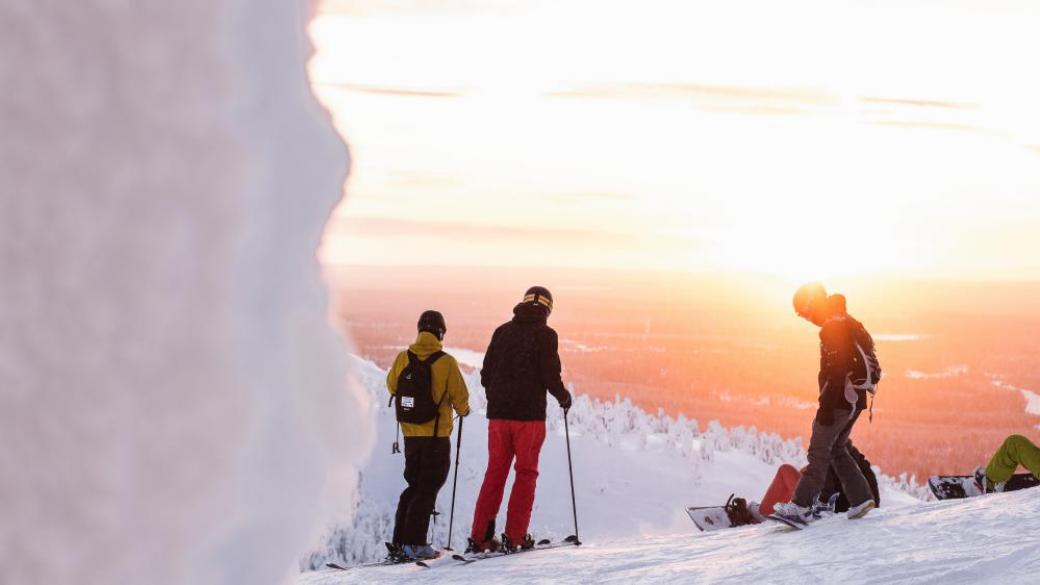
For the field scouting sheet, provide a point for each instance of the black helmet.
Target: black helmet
(539, 295)
(433, 322)
(807, 296)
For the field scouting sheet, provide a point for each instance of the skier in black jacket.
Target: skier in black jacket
(521, 364)
(848, 370)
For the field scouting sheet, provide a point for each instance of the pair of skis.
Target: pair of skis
(544, 544)
(465, 559)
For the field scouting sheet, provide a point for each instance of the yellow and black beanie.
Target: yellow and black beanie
(539, 295)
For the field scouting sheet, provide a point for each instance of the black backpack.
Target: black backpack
(865, 365)
(415, 391)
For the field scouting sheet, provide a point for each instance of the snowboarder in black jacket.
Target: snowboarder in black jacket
(521, 364)
(848, 370)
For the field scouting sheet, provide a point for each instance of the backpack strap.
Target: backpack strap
(429, 362)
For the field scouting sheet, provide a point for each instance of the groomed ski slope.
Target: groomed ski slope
(991, 539)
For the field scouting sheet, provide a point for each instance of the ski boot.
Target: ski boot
(982, 483)
(792, 512)
(490, 545)
(856, 512)
(419, 552)
(395, 553)
(510, 547)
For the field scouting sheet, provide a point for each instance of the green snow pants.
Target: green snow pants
(1016, 450)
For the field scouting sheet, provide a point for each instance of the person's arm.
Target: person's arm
(395, 372)
(550, 369)
(487, 370)
(457, 391)
(835, 365)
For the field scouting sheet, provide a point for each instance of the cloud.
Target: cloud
(919, 103)
(925, 125)
(718, 98)
(498, 234)
(392, 91)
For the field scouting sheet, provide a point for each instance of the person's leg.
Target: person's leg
(1016, 450)
(853, 483)
(500, 457)
(412, 464)
(436, 461)
(819, 454)
(529, 437)
(781, 489)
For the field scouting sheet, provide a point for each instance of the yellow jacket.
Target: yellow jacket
(447, 378)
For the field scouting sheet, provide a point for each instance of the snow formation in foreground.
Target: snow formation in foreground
(172, 399)
(634, 473)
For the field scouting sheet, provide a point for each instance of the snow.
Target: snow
(634, 474)
(958, 542)
(173, 405)
(950, 372)
(1032, 398)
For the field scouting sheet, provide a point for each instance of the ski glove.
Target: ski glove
(565, 402)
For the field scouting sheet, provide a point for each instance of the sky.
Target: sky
(800, 139)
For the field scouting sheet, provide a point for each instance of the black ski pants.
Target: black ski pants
(427, 461)
(829, 446)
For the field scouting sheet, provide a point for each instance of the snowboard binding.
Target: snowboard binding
(738, 512)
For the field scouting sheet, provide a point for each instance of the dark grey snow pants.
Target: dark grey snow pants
(829, 446)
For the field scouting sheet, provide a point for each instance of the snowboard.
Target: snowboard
(709, 518)
(950, 487)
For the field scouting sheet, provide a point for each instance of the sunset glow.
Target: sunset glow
(809, 139)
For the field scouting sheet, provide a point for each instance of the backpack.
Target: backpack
(867, 368)
(415, 391)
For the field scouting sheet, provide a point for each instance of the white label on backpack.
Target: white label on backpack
(408, 401)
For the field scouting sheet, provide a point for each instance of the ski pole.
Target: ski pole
(570, 468)
(454, 485)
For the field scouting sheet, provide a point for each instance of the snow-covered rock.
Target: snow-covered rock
(172, 400)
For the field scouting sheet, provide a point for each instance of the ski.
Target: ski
(425, 563)
(392, 558)
(382, 563)
(545, 544)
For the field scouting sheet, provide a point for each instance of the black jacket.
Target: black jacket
(522, 362)
(833, 484)
(839, 361)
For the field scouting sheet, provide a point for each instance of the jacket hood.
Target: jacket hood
(425, 345)
(530, 313)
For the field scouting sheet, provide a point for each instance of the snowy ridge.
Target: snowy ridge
(648, 465)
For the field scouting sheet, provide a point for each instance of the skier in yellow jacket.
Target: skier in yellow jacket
(427, 445)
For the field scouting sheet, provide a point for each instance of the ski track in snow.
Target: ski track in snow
(989, 539)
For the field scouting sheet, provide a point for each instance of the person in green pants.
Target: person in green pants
(1016, 450)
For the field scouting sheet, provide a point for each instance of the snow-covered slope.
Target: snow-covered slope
(983, 540)
(634, 472)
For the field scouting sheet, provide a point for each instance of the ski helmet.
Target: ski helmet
(807, 296)
(432, 322)
(539, 295)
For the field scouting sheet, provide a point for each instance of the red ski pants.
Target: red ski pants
(509, 440)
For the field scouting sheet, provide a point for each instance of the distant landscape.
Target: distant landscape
(959, 358)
